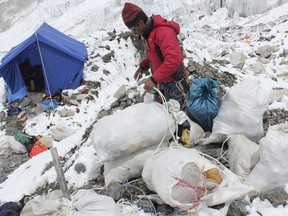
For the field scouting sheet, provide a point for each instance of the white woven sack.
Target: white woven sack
(130, 130)
(129, 166)
(196, 132)
(271, 170)
(83, 203)
(16, 147)
(165, 172)
(242, 109)
(169, 169)
(241, 154)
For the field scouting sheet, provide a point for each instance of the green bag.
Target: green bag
(24, 138)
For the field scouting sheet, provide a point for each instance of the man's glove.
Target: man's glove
(150, 84)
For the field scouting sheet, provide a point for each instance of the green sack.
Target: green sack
(23, 138)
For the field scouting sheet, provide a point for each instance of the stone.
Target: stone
(238, 208)
(237, 58)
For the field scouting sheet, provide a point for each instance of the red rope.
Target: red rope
(199, 191)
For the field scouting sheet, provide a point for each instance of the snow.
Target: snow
(89, 21)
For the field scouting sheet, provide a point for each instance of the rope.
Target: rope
(167, 118)
(223, 154)
(128, 184)
(44, 70)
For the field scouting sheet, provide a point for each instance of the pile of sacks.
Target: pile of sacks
(139, 142)
(124, 140)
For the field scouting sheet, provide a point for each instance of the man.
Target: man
(27, 74)
(163, 57)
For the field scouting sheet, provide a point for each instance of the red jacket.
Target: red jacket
(164, 35)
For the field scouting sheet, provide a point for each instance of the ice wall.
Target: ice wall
(13, 11)
(251, 7)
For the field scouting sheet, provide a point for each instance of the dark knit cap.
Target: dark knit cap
(132, 14)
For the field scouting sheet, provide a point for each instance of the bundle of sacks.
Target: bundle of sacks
(124, 140)
(134, 142)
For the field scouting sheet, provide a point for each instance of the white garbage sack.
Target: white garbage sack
(132, 129)
(243, 154)
(62, 131)
(271, 170)
(180, 177)
(196, 132)
(83, 203)
(15, 146)
(242, 109)
(129, 166)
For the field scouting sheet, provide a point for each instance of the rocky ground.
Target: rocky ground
(10, 161)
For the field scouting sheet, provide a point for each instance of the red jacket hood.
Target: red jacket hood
(160, 21)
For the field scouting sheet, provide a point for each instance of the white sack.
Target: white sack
(271, 170)
(83, 203)
(196, 132)
(16, 147)
(61, 131)
(162, 172)
(242, 153)
(130, 130)
(128, 167)
(242, 109)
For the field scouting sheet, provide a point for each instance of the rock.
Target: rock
(66, 112)
(266, 51)
(120, 92)
(258, 68)
(237, 58)
(277, 196)
(238, 208)
(80, 168)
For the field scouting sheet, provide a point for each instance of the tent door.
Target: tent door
(32, 76)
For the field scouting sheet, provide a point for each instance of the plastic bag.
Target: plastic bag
(202, 103)
(132, 129)
(270, 171)
(242, 109)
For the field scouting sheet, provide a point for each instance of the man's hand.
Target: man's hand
(138, 74)
(149, 85)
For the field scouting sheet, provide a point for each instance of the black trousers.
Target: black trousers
(173, 90)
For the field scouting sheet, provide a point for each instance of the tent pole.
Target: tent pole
(44, 70)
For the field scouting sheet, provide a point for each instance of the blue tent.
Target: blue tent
(60, 59)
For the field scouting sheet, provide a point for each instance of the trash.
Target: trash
(61, 131)
(23, 138)
(132, 129)
(37, 149)
(35, 111)
(185, 138)
(243, 154)
(129, 166)
(9, 209)
(270, 171)
(22, 117)
(177, 175)
(242, 109)
(49, 104)
(66, 112)
(83, 203)
(16, 147)
(25, 103)
(196, 132)
(213, 174)
(202, 104)
(13, 110)
(46, 141)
